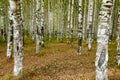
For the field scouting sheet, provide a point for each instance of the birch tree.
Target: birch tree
(15, 7)
(32, 19)
(89, 28)
(79, 27)
(85, 19)
(10, 36)
(42, 23)
(71, 24)
(102, 40)
(68, 24)
(38, 27)
(118, 35)
(49, 17)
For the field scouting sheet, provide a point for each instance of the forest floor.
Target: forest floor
(57, 61)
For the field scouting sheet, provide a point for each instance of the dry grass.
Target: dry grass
(57, 61)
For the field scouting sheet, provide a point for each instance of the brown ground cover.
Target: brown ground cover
(57, 61)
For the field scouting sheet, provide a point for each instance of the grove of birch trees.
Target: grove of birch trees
(64, 21)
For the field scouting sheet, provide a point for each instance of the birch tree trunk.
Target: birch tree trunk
(80, 27)
(3, 21)
(15, 8)
(38, 27)
(42, 23)
(61, 21)
(68, 24)
(84, 20)
(94, 17)
(33, 20)
(118, 35)
(49, 21)
(90, 16)
(10, 36)
(71, 24)
(102, 41)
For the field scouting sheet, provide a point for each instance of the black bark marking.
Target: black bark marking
(102, 58)
(17, 48)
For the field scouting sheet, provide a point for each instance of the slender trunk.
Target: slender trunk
(42, 23)
(71, 24)
(68, 25)
(118, 35)
(115, 19)
(96, 17)
(38, 31)
(84, 20)
(33, 20)
(58, 24)
(102, 41)
(90, 16)
(49, 23)
(80, 27)
(59, 21)
(111, 22)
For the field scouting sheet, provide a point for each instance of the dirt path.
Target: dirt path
(55, 62)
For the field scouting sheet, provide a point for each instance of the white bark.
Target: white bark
(38, 27)
(3, 23)
(50, 20)
(102, 41)
(85, 20)
(68, 24)
(90, 16)
(42, 23)
(61, 21)
(15, 8)
(80, 27)
(118, 36)
(71, 24)
(50, 24)
(10, 37)
(33, 21)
